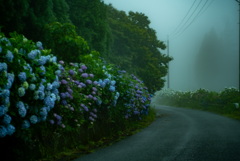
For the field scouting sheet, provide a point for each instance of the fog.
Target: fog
(204, 43)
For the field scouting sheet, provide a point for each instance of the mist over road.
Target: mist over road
(178, 135)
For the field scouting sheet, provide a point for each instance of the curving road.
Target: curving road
(178, 135)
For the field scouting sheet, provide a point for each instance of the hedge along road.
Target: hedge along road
(178, 135)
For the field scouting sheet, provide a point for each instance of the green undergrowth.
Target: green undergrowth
(225, 103)
(98, 137)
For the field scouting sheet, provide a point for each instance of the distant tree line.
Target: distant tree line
(125, 40)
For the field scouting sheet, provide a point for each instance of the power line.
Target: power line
(176, 29)
(197, 15)
(196, 8)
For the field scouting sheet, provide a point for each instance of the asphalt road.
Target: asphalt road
(178, 135)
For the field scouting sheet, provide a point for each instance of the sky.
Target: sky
(186, 32)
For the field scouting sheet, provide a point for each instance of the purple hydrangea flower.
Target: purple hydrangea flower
(63, 81)
(84, 75)
(88, 81)
(61, 62)
(91, 75)
(83, 67)
(71, 72)
(51, 122)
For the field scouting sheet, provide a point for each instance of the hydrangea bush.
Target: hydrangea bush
(35, 87)
(28, 85)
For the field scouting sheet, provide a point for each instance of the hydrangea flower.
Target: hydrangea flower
(6, 119)
(0, 49)
(32, 87)
(43, 60)
(22, 111)
(84, 75)
(33, 119)
(112, 88)
(9, 56)
(33, 54)
(48, 101)
(21, 91)
(3, 110)
(22, 76)
(3, 67)
(88, 81)
(10, 129)
(39, 45)
(43, 112)
(3, 131)
(43, 70)
(83, 67)
(25, 124)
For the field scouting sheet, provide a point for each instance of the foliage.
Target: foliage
(135, 47)
(28, 89)
(225, 102)
(41, 97)
(64, 41)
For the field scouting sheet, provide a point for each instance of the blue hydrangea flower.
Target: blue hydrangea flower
(53, 59)
(10, 129)
(32, 87)
(39, 45)
(22, 76)
(43, 70)
(33, 54)
(43, 112)
(33, 119)
(22, 110)
(48, 101)
(6, 101)
(21, 91)
(112, 88)
(113, 82)
(28, 67)
(10, 80)
(55, 85)
(49, 86)
(3, 110)
(6, 119)
(5, 93)
(3, 67)
(8, 43)
(43, 60)
(9, 56)
(25, 124)
(3, 131)
(0, 49)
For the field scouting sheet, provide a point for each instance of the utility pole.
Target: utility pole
(168, 76)
(238, 1)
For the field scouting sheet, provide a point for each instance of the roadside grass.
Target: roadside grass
(96, 138)
(228, 110)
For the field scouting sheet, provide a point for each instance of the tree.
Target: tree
(135, 47)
